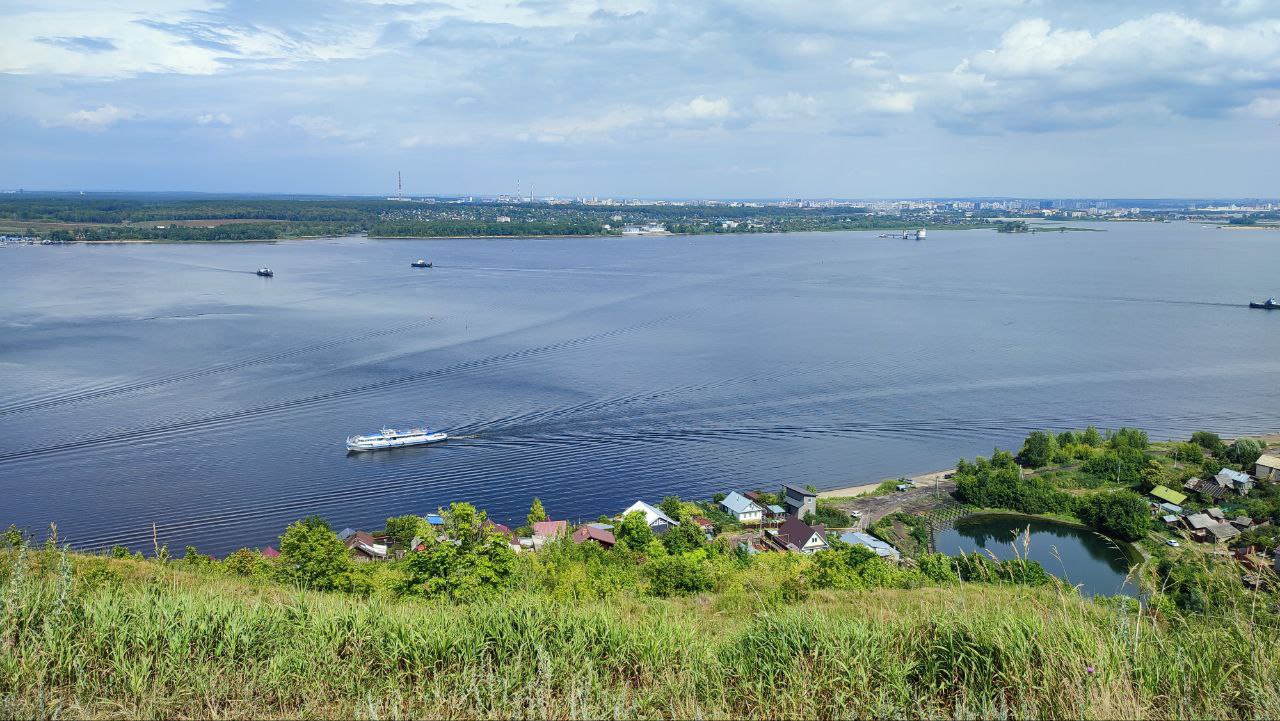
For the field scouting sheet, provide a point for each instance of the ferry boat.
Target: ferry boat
(266, 272)
(1270, 304)
(391, 438)
(420, 263)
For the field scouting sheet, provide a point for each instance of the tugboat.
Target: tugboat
(420, 263)
(266, 272)
(1270, 304)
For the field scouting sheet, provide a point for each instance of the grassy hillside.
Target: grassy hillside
(93, 637)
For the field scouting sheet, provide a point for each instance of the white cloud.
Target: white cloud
(699, 108)
(892, 102)
(213, 119)
(96, 119)
(326, 128)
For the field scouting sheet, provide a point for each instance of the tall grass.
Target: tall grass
(138, 639)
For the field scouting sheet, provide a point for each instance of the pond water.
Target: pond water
(1095, 563)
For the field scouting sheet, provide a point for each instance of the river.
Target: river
(167, 383)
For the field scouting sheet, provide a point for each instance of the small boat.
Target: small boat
(391, 438)
(266, 272)
(1270, 304)
(420, 263)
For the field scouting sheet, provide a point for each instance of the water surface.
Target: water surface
(168, 383)
(1097, 564)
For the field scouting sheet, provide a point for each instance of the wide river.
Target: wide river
(169, 384)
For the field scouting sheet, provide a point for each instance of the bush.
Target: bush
(1122, 514)
(678, 575)
(1038, 450)
(998, 483)
(1208, 441)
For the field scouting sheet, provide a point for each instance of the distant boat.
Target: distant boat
(266, 272)
(391, 438)
(420, 263)
(1270, 304)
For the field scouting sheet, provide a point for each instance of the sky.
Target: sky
(644, 98)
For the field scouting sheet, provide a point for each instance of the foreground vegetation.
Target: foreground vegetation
(122, 638)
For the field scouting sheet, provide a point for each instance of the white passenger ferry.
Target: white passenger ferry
(391, 438)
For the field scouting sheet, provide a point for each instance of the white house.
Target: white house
(743, 509)
(657, 520)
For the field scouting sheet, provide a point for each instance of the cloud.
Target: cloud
(80, 43)
(699, 108)
(213, 119)
(324, 127)
(95, 120)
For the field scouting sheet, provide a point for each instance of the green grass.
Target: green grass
(134, 639)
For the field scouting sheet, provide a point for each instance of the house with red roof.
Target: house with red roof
(546, 531)
(601, 536)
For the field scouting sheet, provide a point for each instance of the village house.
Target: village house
(743, 509)
(594, 533)
(708, 528)
(545, 532)
(878, 546)
(797, 536)
(799, 501)
(363, 547)
(1205, 527)
(1208, 488)
(1237, 481)
(1168, 495)
(1267, 468)
(657, 520)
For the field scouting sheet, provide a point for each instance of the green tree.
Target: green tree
(1122, 514)
(672, 506)
(312, 555)
(1038, 449)
(1244, 452)
(475, 562)
(634, 531)
(1208, 441)
(246, 562)
(403, 529)
(685, 537)
(1129, 438)
(537, 514)
(1090, 437)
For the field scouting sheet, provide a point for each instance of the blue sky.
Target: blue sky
(652, 98)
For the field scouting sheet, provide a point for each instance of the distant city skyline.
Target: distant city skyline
(645, 98)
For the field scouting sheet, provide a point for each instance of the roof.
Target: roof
(704, 522)
(270, 552)
(363, 541)
(1168, 494)
(495, 526)
(1242, 521)
(1209, 488)
(797, 490)
(1226, 475)
(602, 526)
(549, 529)
(1215, 512)
(1200, 521)
(796, 532)
(875, 544)
(1170, 518)
(1223, 531)
(434, 519)
(1171, 507)
(775, 509)
(591, 533)
(1268, 460)
(346, 533)
(738, 503)
(651, 515)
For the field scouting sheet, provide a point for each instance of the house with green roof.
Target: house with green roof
(1169, 495)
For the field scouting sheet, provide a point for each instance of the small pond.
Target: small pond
(1077, 555)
